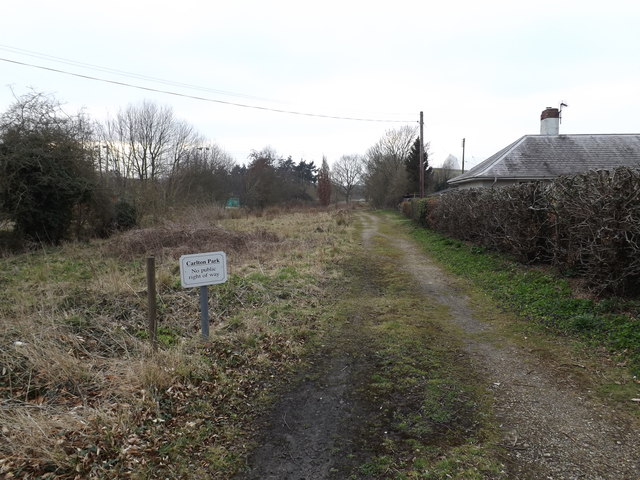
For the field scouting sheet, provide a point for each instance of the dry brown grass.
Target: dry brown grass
(82, 395)
(38, 432)
(172, 241)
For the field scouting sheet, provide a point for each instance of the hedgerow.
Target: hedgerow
(586, 225)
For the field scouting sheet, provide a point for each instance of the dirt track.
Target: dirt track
(549, 427)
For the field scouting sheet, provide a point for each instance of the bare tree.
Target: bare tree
(347, 173)
(185, 138)
(261, 186)
(385, 177)
(113, 157)
(395, 143)
(151, 134)
(146, 141)
(201, 175)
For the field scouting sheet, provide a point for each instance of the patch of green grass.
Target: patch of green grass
(166, 336)
(466, 462)
(77, 322)
(287, 273)
(541, 297)
(377, 467)
(619, 391)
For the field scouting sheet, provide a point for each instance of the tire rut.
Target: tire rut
(550, 429)
(316, 422)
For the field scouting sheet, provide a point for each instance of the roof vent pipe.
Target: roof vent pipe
(550, 121)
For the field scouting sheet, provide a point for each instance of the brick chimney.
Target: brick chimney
(550, 121)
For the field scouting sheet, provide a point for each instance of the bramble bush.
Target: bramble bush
(46, 174)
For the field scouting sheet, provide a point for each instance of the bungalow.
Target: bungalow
(550, 155)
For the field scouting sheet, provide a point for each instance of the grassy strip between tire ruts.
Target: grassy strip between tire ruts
(427, 415)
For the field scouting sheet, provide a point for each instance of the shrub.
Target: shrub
(125, 215)
(94, 217)
(406, 207)
(45, 167)
(418, 209)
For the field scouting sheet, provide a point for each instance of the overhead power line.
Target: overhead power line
(204, 99)
(89, 66)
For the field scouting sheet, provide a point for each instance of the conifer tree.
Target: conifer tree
(324, 183)
(412, 164)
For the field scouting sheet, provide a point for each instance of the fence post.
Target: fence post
(151, 300)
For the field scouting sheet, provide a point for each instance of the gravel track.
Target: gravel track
(550, 428)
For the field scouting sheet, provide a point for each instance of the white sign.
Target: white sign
(202, 269)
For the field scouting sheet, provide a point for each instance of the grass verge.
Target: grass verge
(547, 304)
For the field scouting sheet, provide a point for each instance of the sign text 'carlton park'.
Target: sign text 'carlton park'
(202, 269)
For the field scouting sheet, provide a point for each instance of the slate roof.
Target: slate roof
(536, 157)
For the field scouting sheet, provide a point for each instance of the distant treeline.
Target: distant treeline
(63, 175)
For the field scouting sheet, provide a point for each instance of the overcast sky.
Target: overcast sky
(482, 70)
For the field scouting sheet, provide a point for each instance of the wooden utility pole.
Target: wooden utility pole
(421, 156)
(463, 155)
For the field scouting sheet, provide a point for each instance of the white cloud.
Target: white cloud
(480, 70)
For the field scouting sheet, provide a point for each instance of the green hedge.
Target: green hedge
(418, 209)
